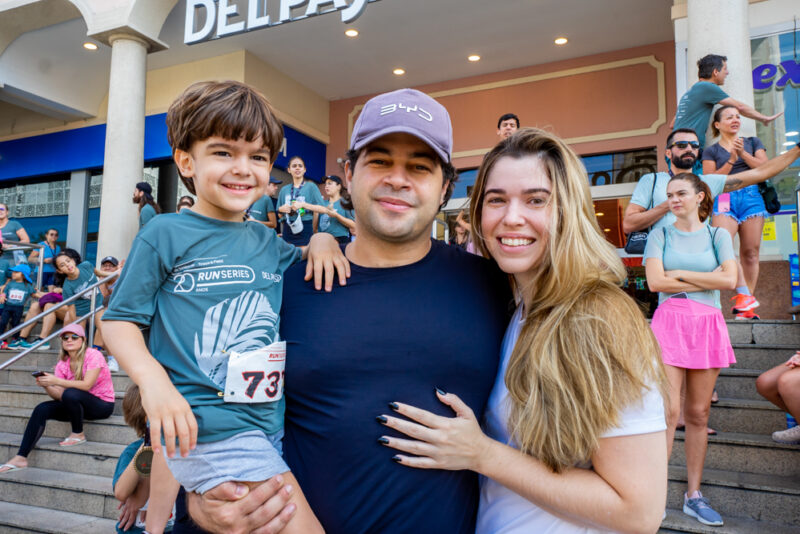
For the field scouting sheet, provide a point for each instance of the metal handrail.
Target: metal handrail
(19, 245)
(91, 315)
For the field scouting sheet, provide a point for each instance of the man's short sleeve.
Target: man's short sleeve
(643, 193)
(655, 244)
(712, 93)
(716, 182)
(723, 245)
(134, 296)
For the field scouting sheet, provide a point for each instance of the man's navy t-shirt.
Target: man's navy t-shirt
(390, 334)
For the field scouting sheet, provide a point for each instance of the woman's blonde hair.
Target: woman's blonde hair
(79, 357)
(585, 350)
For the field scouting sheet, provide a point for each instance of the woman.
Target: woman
(460, 237)
(12, 230)
(334, 218)
(574, 390)
(50, 250)
(77, 277)
(299, 223)
(81, 388)
(741, 211)
(781, 386)
(688, 263)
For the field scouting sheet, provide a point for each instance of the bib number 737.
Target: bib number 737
(256, 376)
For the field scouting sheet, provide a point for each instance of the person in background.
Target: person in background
(781, 386)
(143, 196)
(337, 217)
(12, 231)
(81, 389)
(299, 223)
(506, 126)
(14, 295)
(108, 266)
(461, 232)
(185, 201)
(263, 209)
(50, 250)
(695, 106)
(147, 504)
(688, 262)
(741, 211)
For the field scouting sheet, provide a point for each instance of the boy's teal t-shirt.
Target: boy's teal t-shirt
(18, 292)
(332, 225)
(86, 277)
(701, 251)
(308, 192)
(206, 288)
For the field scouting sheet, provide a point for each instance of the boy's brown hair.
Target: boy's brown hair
(227, 109)
(133, 412)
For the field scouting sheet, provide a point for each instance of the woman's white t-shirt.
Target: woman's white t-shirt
(501, 511)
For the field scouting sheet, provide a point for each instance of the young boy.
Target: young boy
(209, 286)
(15, 294)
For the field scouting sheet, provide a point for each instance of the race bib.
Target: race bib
(257, 375)
(16, 295)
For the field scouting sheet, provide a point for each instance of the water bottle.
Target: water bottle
(790, 421)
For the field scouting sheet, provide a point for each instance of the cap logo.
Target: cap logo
(391, 108)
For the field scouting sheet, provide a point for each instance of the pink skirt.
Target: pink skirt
(692, 335)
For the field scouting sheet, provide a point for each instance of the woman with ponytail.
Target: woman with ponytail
(688, 262)
(574, 436)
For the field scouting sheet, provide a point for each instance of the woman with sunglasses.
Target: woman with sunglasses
(743, 210)
(80, 387)
(50, 251)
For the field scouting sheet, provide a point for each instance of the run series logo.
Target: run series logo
(200, 274)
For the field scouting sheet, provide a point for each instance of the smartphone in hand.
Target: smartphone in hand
(37, 374)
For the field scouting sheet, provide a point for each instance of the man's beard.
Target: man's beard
(684, 162)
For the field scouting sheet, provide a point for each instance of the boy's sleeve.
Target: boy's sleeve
(641, 194)
(655, 245)
(134, 296)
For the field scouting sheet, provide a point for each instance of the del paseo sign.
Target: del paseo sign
(211, 19)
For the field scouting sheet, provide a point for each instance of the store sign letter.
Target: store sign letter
(764, 75)
(227, 17)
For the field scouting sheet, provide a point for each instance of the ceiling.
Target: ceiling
(430, 39)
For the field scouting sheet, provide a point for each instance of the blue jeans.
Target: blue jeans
(745, 203)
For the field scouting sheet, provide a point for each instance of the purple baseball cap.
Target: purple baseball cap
(407, 111)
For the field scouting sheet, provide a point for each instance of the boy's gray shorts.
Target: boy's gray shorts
(247, 457)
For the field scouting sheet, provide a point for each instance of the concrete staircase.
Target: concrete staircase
(64, 489)
(753, 482)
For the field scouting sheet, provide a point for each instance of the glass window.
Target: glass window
(620, 167)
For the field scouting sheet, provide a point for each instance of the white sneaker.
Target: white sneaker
(790, 435)
(113, 366)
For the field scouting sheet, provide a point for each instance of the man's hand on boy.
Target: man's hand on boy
(168, 412)
(325, 256)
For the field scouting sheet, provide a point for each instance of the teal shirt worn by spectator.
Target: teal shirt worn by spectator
(261, 209)
(691, 251)
(9, 232)
(332, 225)
(17, 293)
(5, 274)
(308, 192)
(694, 109)
(86, 277)
(147, 213)
(206, 288)
(641, 194)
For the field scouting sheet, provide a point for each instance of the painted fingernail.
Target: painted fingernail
(288, 488)
(381, 419)
(383, 441)
(394, 406)
(397, 459)
(440, 392)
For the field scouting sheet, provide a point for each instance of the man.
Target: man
(415, 315)
(507, 125)
(649, 208)
(694, 109)
(263, 210)
(143, 196)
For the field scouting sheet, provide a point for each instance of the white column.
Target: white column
(77, 212)
(124, 153)
(721, 27)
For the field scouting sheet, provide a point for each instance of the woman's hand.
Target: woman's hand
(738, 147)
(129, 510)
(452, 443)
(285, 209)
(48, 380)
(168, 412)
(324, 255)
(794, 361)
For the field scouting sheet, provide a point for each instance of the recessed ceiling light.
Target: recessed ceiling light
(606, 229)
(789, 143)
(398, 71)
(791, 134)
(352, 32)
(560, 41)
(474, 57)
(88, 45)
(599, 214)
